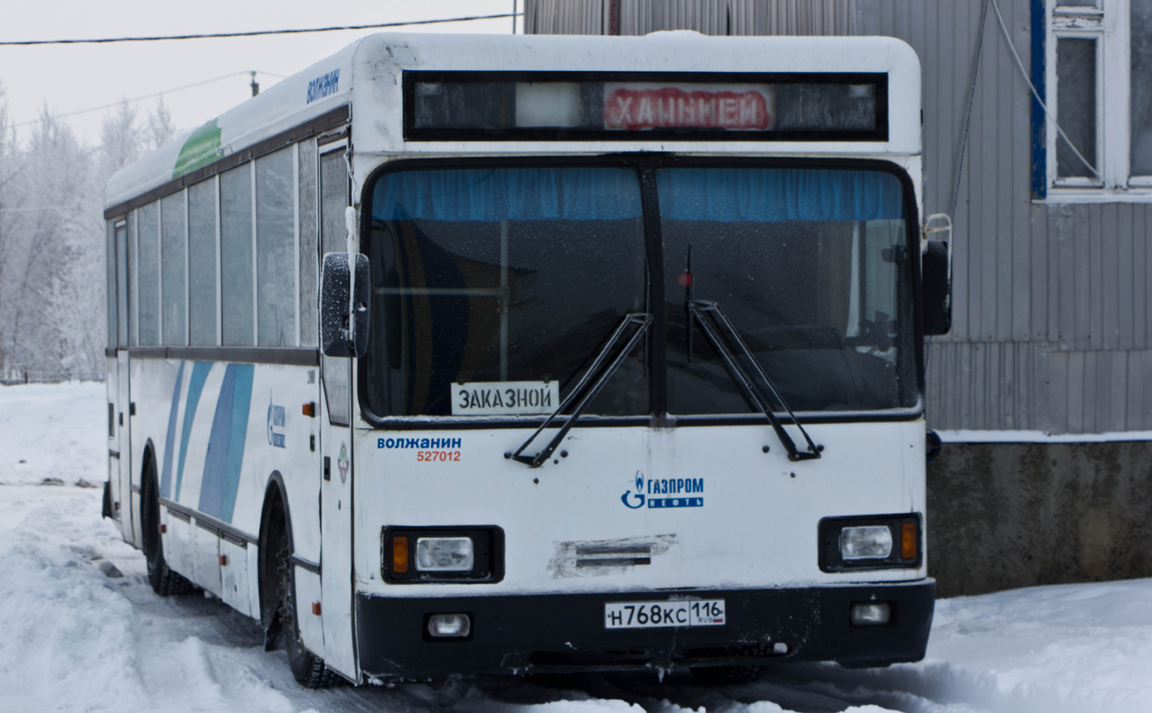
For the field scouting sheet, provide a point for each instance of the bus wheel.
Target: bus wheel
(727, 675)
(164, 581)
(308, 668)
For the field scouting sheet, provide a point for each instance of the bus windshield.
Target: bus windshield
(518, 276)
(502, 276)
(812, 268)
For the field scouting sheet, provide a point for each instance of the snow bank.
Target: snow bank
(1081, 648)
(54, 431)
(72, 638)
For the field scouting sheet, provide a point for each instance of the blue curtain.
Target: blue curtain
(769, 195)
(729, 195)
(493, 195)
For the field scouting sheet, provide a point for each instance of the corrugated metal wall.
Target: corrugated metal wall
(1052, 329)
(711, 17)
(1052, 323)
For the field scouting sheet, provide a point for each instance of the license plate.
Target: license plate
(650, 615)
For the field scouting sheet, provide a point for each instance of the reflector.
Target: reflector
(908, 541)
(400, 555)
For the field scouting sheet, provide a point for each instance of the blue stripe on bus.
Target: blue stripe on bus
(241, 404)
(195, 386)
(170, 441)
(226, 443)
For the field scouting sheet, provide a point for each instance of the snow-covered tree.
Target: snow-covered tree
(160, 130)
(53, 236)
(120, 139)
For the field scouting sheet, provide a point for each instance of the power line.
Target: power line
(148, 96)
(255, 33)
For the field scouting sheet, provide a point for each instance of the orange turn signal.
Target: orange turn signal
(400, 555)
(908, 540)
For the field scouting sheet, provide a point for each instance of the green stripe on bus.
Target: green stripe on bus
(199, 150)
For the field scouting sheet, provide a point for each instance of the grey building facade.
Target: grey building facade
(1043, 388)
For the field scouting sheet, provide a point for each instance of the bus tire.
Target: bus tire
(727, 675)
(164, 581)
(308, 669)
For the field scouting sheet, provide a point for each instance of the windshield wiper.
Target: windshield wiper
(589, 383)
(700, 308)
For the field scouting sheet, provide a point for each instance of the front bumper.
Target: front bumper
(565, 633)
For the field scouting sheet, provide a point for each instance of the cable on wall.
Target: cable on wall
(1024, 73)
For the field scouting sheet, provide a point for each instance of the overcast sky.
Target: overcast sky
(70, 78)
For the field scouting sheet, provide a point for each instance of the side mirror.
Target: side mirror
(933, 446)
(344, 333)
(936, 277)
(936, 288)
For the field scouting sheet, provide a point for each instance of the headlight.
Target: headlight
(860, 543)
(871, 542)
(425, 555)
(446, 554)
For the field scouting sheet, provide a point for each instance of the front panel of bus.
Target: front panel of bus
(673, 524)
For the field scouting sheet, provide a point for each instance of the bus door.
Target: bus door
(336, 486)
(122, 480)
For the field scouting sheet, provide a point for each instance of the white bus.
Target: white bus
(501, 355)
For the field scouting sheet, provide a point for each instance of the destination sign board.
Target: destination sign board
(621, 106)
(634, 107)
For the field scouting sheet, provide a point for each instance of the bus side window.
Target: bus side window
(121, 250)
(333, 238)
(275, 250)
(236, 256)
(309, 247)
(133, 274)
(110, 270)
(148, 273)
(173, 250)
(202, 264)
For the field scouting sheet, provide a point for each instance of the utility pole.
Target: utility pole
(514, 16)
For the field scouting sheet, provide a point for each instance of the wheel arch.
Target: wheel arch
(140, 493)
(147, 460)
(275, 491)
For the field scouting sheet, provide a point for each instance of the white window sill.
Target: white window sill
(1061, 195)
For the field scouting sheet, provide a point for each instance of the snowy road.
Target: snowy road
(74, 636)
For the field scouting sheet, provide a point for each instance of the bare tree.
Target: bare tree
(161, 130)
(120, 139)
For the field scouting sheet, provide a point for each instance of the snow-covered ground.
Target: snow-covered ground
(81, 631)
(54, 431)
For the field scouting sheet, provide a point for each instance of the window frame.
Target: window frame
(340, 407)
(650, 162)
(180, 201)
(1108, 23)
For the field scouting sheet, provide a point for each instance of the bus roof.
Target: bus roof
(364, 79)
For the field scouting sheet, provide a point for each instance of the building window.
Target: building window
(1100, 93)
(1140, 60)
